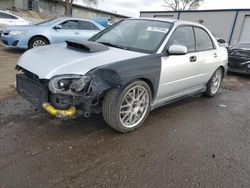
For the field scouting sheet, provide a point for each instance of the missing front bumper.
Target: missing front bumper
(63, 107)
(33, 91)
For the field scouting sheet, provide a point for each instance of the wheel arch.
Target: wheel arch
(105, 79)
(42, 36)
(223, 70)
(150, 84)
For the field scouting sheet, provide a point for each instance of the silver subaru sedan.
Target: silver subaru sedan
(124, 71)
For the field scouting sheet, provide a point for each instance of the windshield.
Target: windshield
(137, 35)
(48, 23)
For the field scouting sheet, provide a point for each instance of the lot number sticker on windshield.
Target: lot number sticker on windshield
(158, 29)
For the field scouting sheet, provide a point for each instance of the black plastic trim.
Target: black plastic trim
(88, 46)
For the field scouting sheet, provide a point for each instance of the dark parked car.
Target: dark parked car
(239, 58)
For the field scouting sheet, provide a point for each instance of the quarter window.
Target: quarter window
(203, 41)
(184, 36)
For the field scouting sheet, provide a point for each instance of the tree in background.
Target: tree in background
(68, 4)
(182, 4)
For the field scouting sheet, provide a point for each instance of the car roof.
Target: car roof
(7, 12)
(82, 19)
(13, 14)
(174, 21)
(73, 18)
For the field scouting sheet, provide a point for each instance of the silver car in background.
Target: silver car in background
(124, 71)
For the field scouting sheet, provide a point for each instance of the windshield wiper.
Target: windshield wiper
(114, 45)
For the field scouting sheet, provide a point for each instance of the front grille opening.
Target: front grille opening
(5, 42)
(30, 75)
(15, 43)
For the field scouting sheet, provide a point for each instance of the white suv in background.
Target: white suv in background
(8, 19)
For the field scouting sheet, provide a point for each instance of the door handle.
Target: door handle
(193, 59)
(77, 33)
(215, 55)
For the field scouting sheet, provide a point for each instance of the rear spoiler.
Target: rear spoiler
(87, 46)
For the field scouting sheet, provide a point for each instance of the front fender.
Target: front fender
(103, 79)
(123, 72)
(43, 33)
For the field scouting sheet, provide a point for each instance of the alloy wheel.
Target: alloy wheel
(216, 81)
(38, 43)
(134, 106)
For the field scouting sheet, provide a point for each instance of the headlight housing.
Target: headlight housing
(68, 84)
(17, 32)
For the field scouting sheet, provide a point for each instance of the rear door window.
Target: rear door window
(203, 40)
(84, 25)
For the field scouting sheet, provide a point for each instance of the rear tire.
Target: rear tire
(37, 42)
(125, 109)
(214, 83)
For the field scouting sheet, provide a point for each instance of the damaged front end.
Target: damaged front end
(61, 114)
(239, 61)
(64, 96)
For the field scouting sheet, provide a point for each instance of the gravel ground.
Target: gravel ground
(197, 142)
(8, 59)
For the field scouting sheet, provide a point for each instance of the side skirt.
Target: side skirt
(177, 97)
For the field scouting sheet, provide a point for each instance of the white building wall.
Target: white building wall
(6, 4)
(225, 24)
(160, 15)
(220, 23)
(57, 9)
(239, 25)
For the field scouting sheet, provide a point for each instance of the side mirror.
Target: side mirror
(177, 50)
(57, 27)
(221, 41)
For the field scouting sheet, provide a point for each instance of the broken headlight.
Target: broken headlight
(68, 84)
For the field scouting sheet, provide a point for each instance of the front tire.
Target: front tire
(125, 109)
(214, 83)
(37, 42)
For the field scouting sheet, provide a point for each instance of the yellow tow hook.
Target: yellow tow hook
(61, 114)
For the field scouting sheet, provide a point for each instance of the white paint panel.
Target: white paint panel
(245, 33)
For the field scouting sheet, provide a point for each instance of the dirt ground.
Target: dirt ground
(8, 59)
(197, 142)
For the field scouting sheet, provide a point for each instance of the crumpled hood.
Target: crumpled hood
(49, 61)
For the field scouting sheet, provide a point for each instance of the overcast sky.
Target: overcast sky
(133, 7)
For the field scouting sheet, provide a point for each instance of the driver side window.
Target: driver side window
(184, 36)
(70, 25)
